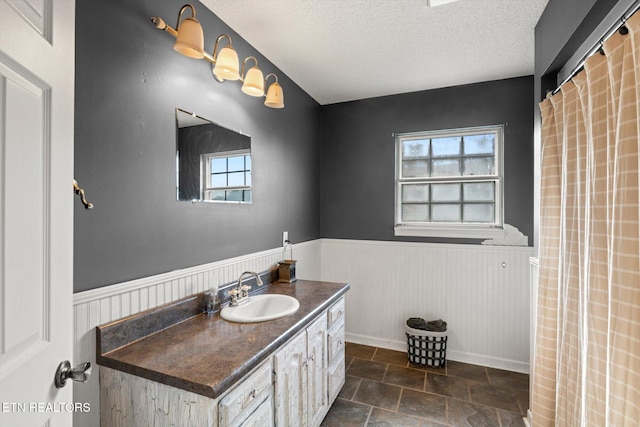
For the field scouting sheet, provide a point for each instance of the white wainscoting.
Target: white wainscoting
(98, 306)
(481, 291)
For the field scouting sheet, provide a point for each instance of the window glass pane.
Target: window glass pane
(479, 144)
(479, 192)
(478, 212)
(446, 167)
(248, 162)
(236, 179)
(413, 168)
(236, 163)
(219, 180)
(479, 166)
(235, 195)
(445, 146)
(445, 213)
(415, 193)
(248, 178)
(219, 165)
(247, 195)
(217, 195)
(445, 192)
(412, 213)
(415, 148)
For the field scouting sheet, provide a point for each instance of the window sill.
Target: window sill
(467, 232)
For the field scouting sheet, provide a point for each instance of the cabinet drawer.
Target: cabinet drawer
(335, 343)
(336, 379)
(261, 417)
(246, 396)
(336, 313)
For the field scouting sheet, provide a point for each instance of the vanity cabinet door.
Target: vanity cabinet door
(290, 367)
(317, 370)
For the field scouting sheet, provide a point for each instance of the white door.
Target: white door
(36, 209)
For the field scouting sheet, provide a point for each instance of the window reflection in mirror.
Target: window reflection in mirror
(213, 162)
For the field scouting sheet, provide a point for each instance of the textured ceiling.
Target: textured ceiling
(343, 50)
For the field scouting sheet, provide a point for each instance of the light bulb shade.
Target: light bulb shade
(275, 96)
(190, 39)
(227, 65)
(253, 82)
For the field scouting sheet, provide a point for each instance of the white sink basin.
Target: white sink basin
(261, 308)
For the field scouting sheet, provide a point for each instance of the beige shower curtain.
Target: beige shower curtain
(586, 369)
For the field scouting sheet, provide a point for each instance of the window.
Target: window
(227, 176)
(449, 183)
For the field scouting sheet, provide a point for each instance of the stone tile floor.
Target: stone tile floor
(383, 389)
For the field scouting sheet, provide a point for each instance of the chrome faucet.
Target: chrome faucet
(240, 294)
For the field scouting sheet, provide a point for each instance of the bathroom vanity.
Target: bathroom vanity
(176, 366)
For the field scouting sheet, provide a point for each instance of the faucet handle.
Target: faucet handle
(245, 287)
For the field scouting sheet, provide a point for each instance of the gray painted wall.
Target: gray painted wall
(129, 81)
(318, 171)
(358, 157)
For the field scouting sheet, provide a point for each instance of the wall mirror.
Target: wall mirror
(213, 162)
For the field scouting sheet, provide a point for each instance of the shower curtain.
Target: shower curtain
(586, 369)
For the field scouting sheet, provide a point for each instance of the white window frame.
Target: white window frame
(205, 173)
(470, 230)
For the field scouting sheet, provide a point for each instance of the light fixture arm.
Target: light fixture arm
(215, 46)
(182, 9)
(244, 63)
(269, 75)
(161, 25)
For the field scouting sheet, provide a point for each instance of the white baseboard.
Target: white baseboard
(458, 356)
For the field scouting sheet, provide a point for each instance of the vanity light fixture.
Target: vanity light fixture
(225, 64)
(275, 96)
(190, 38)
(253, 79)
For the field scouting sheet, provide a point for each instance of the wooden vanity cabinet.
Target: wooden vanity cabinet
(294, 387)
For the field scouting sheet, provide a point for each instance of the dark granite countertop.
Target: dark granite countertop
(206, 354)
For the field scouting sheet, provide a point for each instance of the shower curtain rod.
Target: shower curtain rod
(617, 26)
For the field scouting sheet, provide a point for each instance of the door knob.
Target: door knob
(80, 373)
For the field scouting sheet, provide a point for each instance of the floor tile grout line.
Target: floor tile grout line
(374, 353)
(399, 399)
(368, 416)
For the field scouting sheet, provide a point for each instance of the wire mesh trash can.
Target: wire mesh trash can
(426, 348)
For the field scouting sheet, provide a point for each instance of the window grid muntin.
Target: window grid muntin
(495, 177)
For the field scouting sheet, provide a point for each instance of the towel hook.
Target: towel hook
(79, 191)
